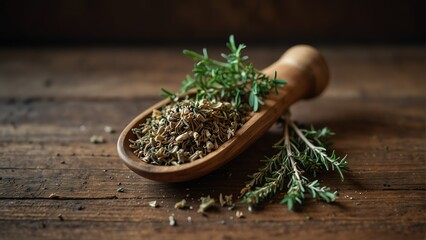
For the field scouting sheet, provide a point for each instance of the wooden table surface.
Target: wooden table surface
(52, 100)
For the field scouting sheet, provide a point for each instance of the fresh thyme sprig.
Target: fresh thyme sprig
(300, 151)
(233, 80)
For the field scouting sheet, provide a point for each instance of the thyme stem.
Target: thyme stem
(288, 147)
(300, 151)
(295, 151)
(319, 150)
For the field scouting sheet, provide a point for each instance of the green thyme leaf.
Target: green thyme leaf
(232, 79)
(300, 152)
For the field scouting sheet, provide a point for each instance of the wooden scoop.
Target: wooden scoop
(307, 75)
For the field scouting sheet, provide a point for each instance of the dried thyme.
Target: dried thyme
(97, 139)
(181, 204)
(185, 131)
(206, 203)
(239, 214)
(172, 221)
(109, 129)
(226, 92)
(153, 204)
(225, 201)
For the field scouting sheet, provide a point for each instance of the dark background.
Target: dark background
(105, 22)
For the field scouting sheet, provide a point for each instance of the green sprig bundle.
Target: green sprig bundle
(299, 152)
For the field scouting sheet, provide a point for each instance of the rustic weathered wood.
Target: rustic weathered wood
(375, 104)
(125, 73)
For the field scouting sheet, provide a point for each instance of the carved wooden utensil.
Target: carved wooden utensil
(307, 76)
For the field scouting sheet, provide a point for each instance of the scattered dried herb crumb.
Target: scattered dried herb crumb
(96, 139)
(227, 201)
(153, 204)
(120, 189)
(181, 204)
(172, 221)
(109, 129)
(60, 217)
(221, 201)
(250, 208)
(239, 214)
(206, 203)
(53, 196)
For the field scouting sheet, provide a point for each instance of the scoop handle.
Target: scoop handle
(305, 70)
(307, 75)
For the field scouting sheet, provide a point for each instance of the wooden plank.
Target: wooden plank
(79, 183)
(128, 217)
(136, 72)
(356, 209)
(154, 230)
(377, 132)
(44, 151)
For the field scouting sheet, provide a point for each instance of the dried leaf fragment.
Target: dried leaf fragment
(182, 137)
(96, 139)
(227, 201)
(239, 214)
(206, 203)
(53, 196)
(181, 204)
(153, 204)
(109, 129)
(172, 221)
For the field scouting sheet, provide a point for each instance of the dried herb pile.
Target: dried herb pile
(225, 94)
(186, 130)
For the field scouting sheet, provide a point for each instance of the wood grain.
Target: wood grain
(375, 104)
